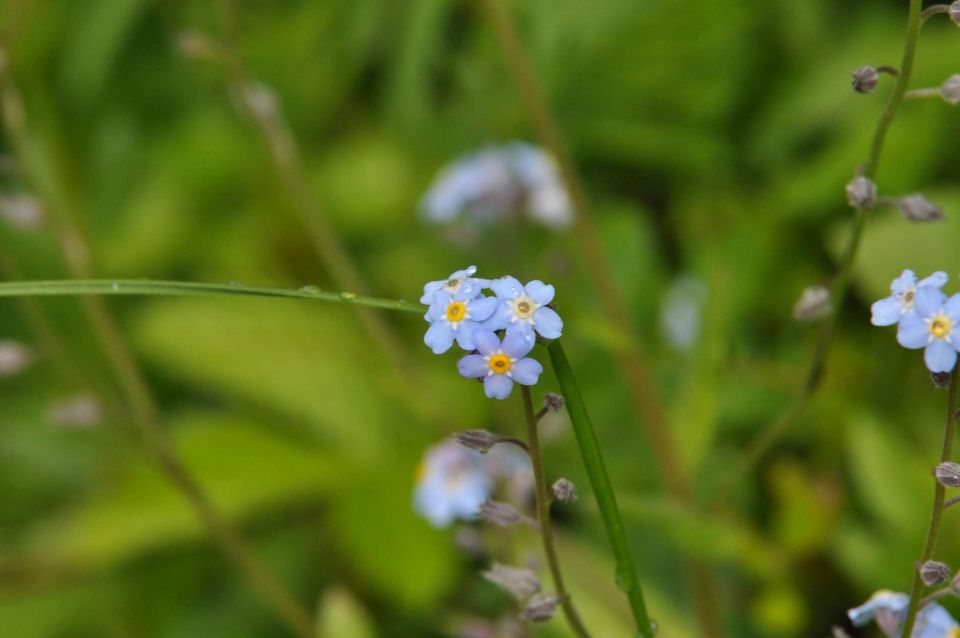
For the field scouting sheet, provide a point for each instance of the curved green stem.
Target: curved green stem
(933, 530)
(627, 578)
(543, 517)
(82, 287)
(770, 434)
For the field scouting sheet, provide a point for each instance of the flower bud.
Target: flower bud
(78, 411)
(563, 490)
(865, 79)
(838, 632)
(861, 192)
(940, 380)
(934, 572)
(479, 440)
(813, 304)
(948, 474)
(918, 208)
(553, 402)
(14, 357)
(541, 608)
(950, 90)
(499, 513)
(954, 12)
(522, 583)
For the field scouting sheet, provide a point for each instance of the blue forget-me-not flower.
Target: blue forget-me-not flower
(889, 310)
(456, 317)
(462, 281)
(500, 364)
(523, 309)
(452, 484)
(932, 326)
(889, 610)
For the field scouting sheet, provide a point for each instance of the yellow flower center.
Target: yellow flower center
(954, 633)
(456, 311)
(500, 363)
(941, 326)
(524, 307)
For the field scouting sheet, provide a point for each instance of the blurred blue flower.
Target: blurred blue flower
(456, 317)
(460, 282)
(681, 313)
(889, 610)
(523, 309)
(452, 484)
(499, 364)
(931, 326)
(889, 310)
(496, 182)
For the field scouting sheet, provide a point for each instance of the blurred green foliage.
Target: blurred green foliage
(715, 140)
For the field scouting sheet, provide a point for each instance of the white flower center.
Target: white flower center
(453, 285)
(523, 308)
(907, 298)
(940, 326)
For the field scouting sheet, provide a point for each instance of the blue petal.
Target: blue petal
(516, 346)
(936, 280)
(934, 621)
(500, 319)
(439, 337)
(952, 307)
(885, 312)
(521, 328)
(913, 332)
(428, 291)
(497, 386)
(548, 323)
(464, 334)
(482, 309)
(540, 292)
(866, 612)
(526, 371)
(940, 356)
(485, 341)
(904, 282)
(506, 287)
(473, 366)
(928, 301)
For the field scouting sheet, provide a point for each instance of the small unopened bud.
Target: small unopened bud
(950, 90)
(918, 208)
(14, 357)
(948, 474)
(553, 402)
(522, 583)
(564, 491)
(260, 99)
(82, 410)
(865, 79)
(499, 513)
(838, 632)
(954, 12)
(934, 572)
(479, 440)
(814, 303)
(196, 45)
(940, 379)
(541, 608)
(861, 192)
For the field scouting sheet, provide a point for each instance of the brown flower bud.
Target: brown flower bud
(861, 192)
(948, 474)
(814, 303)
(541, 608)
(954, 12)
(479, 440)
(553, 402)
(934, 572)
(522, 583)
(499, 513)
(865, 79)
(563, 490)
(950, 90)
(918, 208)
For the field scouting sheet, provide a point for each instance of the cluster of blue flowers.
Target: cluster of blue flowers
(927, 318)
(497, 182)
(889, 610)
(498, 331)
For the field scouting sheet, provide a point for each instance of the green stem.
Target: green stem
(543, 516)
(602, 489)
(934, 528)
(771, 433)
(81, 287)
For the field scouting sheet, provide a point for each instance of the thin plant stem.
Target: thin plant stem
(771, 433)
(543, 516)
(630, 357)
(139, 397)
(920, 94)
(933, 10)
(933, 530)
(934, 596)
(152, 287)
(951, 501)
(627, 578)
